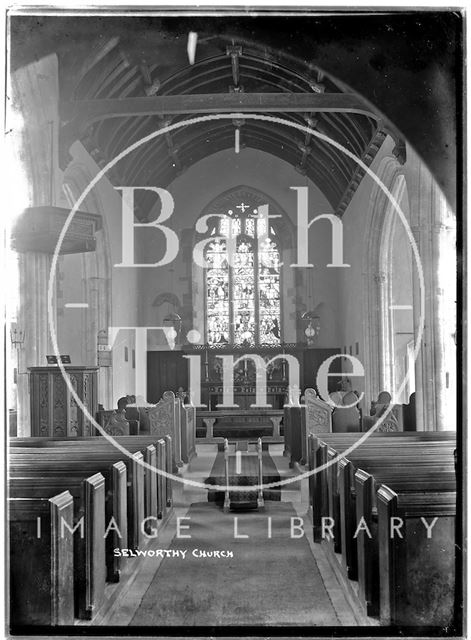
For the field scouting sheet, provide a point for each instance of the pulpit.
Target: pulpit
(54, 411)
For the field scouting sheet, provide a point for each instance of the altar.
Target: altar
(254, 422)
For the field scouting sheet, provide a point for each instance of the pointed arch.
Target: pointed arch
(378, 329)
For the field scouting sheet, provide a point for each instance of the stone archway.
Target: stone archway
(376, 270)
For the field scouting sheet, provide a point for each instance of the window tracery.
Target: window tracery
(243, 304)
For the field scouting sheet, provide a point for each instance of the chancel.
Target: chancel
(249, 258)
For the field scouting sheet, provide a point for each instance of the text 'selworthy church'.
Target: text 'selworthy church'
(233, 256)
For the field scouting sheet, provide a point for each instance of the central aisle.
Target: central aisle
(268, 581)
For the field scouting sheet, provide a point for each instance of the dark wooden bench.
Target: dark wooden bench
(367, 549)
(41, 567)
(413, 472)
(410, 469)
(340, 474)
(293, 437)
(188, 432)
(63, 462)
(413, 464)
(416, 573)
(319, 455)
(131, 444)
(41, 468)
(89, 541)
(34, 482)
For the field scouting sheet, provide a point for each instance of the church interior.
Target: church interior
(232, 332)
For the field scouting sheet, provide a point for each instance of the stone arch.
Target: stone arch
(377, 280)
(395, 261)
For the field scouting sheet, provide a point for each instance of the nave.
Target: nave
(293, 549)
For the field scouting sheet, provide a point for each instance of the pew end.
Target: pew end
(41, 561)
(417, 573)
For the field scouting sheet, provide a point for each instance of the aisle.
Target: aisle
(268, 581)
(275, 581)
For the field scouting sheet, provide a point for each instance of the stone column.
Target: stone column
(443, 248)
(385, 350)
(35, 94)
(429, 212)
(34, 270)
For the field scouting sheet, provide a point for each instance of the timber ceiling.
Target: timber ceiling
(116, 70)
(406, 64)
(115, 65)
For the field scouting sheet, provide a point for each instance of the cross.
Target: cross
(242, 207)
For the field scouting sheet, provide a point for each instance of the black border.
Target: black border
(419, 23)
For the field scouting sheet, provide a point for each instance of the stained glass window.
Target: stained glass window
(217, 292)
(243, 290)
(269, 291)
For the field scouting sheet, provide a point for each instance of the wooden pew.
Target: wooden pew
(413, 459)
(316, 418)
(318, 497)
(412, 465)
(35, 483)
(41, 568)
(116, 424)
(409, 414)
(87, 462)
(164, 464)
(150, 487)
(58, 464)
(294, 434)
(89, 542)
(169, 459)
(140, 441)
(131, 444)
(394, 419)
(188, 431)
(287, 430)
(392, 455)
(414, 468)
(318, 456)
(417, 574)
(164, 420)
(367, 549)
(347, 419)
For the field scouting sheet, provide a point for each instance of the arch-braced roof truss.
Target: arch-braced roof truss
(123, 93)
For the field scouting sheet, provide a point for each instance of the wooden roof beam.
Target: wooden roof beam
(86, 112)
(79, 115)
